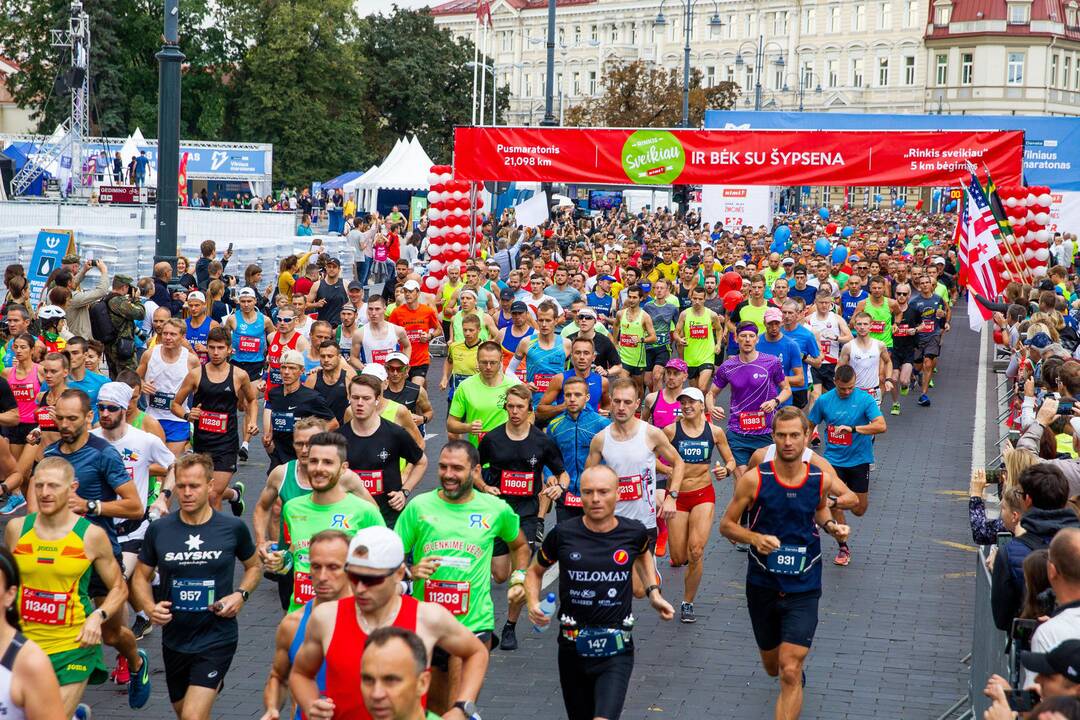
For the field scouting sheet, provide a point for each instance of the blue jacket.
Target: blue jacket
(573, 438)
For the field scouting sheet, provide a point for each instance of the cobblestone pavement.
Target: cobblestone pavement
(894, 623)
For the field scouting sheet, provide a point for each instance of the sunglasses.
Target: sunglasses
(585, 317)
(110, 408)
(902, 294)
(285, 319)
(367, 580)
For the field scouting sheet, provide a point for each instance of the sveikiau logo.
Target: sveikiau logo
(653, 157)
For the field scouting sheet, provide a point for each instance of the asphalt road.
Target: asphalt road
(894, 626)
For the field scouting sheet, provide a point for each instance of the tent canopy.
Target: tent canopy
(341, 179)
(353, 185)
(406, 168)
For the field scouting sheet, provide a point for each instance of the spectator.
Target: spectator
(1046, 511)
(124, 310)
(252, 279)
(1063, 576)
(183, 276)
(304, 229)
(161, 296)
(146, 296)
(288, 269)
(1032, 440)
(983, 530)
(78, 308)
(1036, 583)
(216, 307)
(141, 164)
(118, 169)
(208, 249)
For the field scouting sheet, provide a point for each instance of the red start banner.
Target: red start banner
(734, 157)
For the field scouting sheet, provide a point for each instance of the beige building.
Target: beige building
(12, 118)
(854, 55)
(1003, 56)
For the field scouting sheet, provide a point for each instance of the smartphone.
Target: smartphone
(89, 256)
(1065, 407)
(1022, 630)
(1022, 701)
(229, 249)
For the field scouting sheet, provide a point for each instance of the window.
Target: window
(558, 82)
(526, 85)
(1066, 76)
(856, 72)
(912, 14)
(967, 68)
(778, 78)
(834, 18)
(1071, 14)
(780, 23)
(883, 72)
(749, 77)
(884, 16)
(942, 74)
(507, 41)
(592, 33)
(809, 21)
(1053, 70)
(942, 14)
(748, 26)
(577, 33)
(1018, 13)
(577, 83)
(858, 20)
(909, 70)
(807, 75)
(562, 36)
(730, 26)
(614, 33)
(633, 33)
(729, 72)
(832, 73)
(1076, 78)
(592, 82)
(1015, 71)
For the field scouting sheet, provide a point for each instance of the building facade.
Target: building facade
(13, 119)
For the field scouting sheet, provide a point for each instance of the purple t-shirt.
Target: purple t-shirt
(752, 384)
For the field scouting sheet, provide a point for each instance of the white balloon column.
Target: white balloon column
(449, 214)
(1027, 256)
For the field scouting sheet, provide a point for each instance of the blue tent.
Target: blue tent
(17, 153)
(340, 180)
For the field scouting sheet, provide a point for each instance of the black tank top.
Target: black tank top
(218, 402)
(335, 297)
(693, 450)
(407, 396)
(334, 395)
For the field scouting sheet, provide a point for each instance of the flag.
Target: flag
(981, 235)
(960, 242)
(181, 181)
(483, 12)
(996, 207)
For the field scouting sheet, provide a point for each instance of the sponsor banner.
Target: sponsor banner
(125, 195)
(740, 157)
(1064, 212)
(203, 161)
(1051, 144)
(49, 251)
(735, 206)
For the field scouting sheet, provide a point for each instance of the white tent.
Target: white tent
(406, 168)
(351, 186)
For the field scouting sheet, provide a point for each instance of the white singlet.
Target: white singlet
(166, 378)
(635, 464)
(828, 334)
(377, 348)
(8, 709)
(866, 362)
(138, 449)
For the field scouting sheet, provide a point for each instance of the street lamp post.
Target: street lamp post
(549, 80)
(168, 160)
(688, 28)
(759, 63)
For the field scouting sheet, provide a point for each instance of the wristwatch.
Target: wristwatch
(468, 707)
(93, 507)
(673, 494)
(648, 590)
(405, 492)
(167, 493)
(244, 594)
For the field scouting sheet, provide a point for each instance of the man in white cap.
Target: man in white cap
(198, 323)
(400, 389)
(144, 454)
(421, 325)
(337, 631)
(285, 405)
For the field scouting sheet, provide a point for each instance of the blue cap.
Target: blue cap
(609, 278)
(1039, 341)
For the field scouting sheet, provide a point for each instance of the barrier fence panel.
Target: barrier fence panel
(988, 644)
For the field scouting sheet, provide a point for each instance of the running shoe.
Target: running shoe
(83, 712)
(924, 400)
(141, 627)
(121, 674)
(661, 543)
(931, 382)
(843, 555)
(242, 455)
(508, 641)
(539, 533)
(14, 502)
(895, 409)
(237, 505)
(905, 390)
(139, 687)
(686, 613)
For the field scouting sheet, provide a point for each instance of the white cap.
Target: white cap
(399, 356)
(196, 295)
(375, 371)
(691, 392)
(245, 292)
(467, 291)
(115, 393)
(740, 263)
(375, 548)
(292, 357)
(411, 285)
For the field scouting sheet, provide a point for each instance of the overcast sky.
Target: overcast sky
(369, 7)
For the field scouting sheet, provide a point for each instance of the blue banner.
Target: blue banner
(203, 161)
(1051, 144)
(49, 251)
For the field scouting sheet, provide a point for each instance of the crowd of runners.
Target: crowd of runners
(606, 380)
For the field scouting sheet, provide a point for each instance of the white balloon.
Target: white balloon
(435, 232)
(1043, 236)
(1042, 254)
(435, 266)
(1032, 199)
(1029, 254)
(432, 178)
(431, 283)
(1030, 218)
(1039, 271)
(431, 197)
(446, 177)
(1011, 202)
(455, 247)
(1042, 218)
(434, 250)
(1045, 199)
(457, 195)
(459, 212)
(836, 208)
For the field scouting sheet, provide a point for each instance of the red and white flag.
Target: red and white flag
(483, 12)
(980, 234)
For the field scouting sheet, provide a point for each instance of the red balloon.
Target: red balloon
(830, 229)
(732, 298)
(730, 281)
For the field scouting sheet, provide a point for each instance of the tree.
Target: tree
(419, 80)
(639, 94)
(299, 86)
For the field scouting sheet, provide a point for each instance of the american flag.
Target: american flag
(978, 243)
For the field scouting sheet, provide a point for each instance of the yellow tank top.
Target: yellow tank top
(447, 292)
(54, 599)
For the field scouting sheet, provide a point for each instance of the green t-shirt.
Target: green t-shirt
(465, 535)
(942, 292)
(304, 518)
(473, 400)
(840, 279)
(771, 276)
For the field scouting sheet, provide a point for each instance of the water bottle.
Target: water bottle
(286, 558)
(547, 606)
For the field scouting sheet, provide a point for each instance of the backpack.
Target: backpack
(101, 324)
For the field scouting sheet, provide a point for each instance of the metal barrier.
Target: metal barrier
(988, 644)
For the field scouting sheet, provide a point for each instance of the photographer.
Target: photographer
(1057, 675)
(124, 310)
(1046, 497)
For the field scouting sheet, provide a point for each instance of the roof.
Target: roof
(468, 7)
(976, 11)
(8, 68)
